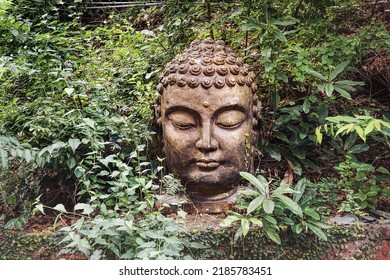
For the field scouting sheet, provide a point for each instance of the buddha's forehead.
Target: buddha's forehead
(211, 99)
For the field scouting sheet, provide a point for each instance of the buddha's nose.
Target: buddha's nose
(206, 142)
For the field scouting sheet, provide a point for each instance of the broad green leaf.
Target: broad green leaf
(87, 209)
(346, 127)
(257, 202)
(356, 149)
(254, 181)
(197, 245)
(40, 208)
(270, 219)
(89, 122)
(370, 127)
(266, 53)
(306, 106)
(339, 119)
(360, 132)
(315, 74)
(312, 213)
(350, 141)
(238, 234)
(349, 83)
(256, 222)
(298, 228)
(290, 204)
(339, 68)
(378, 125)
(245, 227)
(268, 206)
(300, 189)
(343, 92)
(250, 193)
(4, 159)
(272, 234)
(285, 22)
(329, 89)
(71, 162)
(229, 220)
(323, 112)
(280, 36)
(319, 134)
(317, 231)
(251, 24)
(60, 208)
(69, 91)
(274, 153)
(74, 143)
(383, 170)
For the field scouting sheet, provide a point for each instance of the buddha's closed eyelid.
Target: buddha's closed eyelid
(182, 120)
(230, 119)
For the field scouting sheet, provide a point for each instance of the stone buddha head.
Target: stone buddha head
(207, 111)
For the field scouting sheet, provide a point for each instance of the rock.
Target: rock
(344, 220)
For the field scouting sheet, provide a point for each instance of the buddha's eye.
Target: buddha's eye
(182, 120)
(230, 119)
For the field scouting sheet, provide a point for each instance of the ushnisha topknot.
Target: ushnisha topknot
(207, 64)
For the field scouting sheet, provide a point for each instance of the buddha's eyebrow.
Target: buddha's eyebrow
(181, 109)
(233, 107)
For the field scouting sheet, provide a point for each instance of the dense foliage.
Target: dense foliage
(76, 98)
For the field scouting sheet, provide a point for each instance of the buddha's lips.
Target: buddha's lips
(209, 163)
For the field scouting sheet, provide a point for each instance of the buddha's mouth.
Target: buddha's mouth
(207, 163)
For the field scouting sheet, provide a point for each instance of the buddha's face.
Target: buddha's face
(206, 135)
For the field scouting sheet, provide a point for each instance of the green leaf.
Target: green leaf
(383, 170)
(256, 221)
(349, 83)
(319, 135)
(298, 228)
(268, 206)
(60, 208)
(350, 141)
(315, 74)
(251, 24)
(274, 153)
(357, 149)
(257, 202)
(317, 231)
(300, 189)
(245, 227)
(370, 127)
(87, 209)
(280, 36)
(360, 132)
(69, 91)
(339, 68)
(74, 143)
(323, 113)
(254, 181)
(4, 159)
(285, 22)
(306, 106)
(312, 213)
(40, 208)
(290, 204)
(229, 220)
(272, 234)
(343, 92)
(89, 122)
(270, 219)
(329, 89)
(71, 162)
(266, 53)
